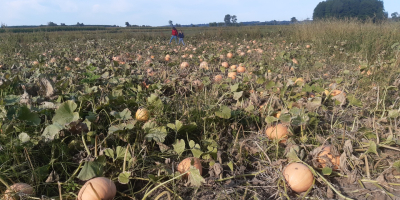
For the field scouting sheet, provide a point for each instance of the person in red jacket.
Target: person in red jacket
(174, 34)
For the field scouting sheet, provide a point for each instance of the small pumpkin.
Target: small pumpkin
(241, 69)
(142, 114)
(218, 78)
(185, 164)
(229, 55)
(232, 75)
(103, 187)
(204, 65)
(298, 176)
(225, 64)
(184, 65)
(278, 131)
(77, 59)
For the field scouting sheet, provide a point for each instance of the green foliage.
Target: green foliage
(361, 9)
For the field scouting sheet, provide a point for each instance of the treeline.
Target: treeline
(361, 9)
(51, 29)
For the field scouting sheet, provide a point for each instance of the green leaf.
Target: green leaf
(285, 117)
(230, 165)
(237, 95)
(92, 169)
(393, 114)
(123, 177)
(191, 143)
(179, 146)
(116, 128)
(327, 171)
(235, 87)
(249, 108)
(123, 115)
(120, 153)
(65, 113)
(11, 99)
(372, 148)
(177, 126)
(270, 119)
(158, 134)
(152, 98)
(195, 148)
(24, 137)
(292, 156)
(109, 152)
(224, 112)
(51, 132)
(194, 177)
(25, 114)
(354, 101)
(396, 165)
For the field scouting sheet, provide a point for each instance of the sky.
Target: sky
(156, 12)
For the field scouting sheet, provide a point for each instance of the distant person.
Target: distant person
(181, 36)
(174, 34)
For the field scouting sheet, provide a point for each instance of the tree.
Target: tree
(234, 19)
(79, 24)
(395, 16)
(340, 9)
(293, 20)
(62, 24)
(127, 24)
(51, 24)
(170, 23)
(227, 19)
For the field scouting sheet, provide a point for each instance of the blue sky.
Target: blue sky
(156, 12)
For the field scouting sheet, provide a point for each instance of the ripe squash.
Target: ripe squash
(298, 176)
(184, 165)
(104, 187)
(278, 131)
(142, 114)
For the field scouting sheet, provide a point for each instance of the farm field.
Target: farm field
(125, 105)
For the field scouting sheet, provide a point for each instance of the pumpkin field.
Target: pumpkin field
(303, 111)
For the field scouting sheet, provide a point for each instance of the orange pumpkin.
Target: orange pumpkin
(278, 131)
(185, 164)
(298, 176)
(103, 187)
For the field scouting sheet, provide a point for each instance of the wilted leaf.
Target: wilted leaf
(314, 104)
(52, 131)
(65, 113)
(195, 178)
